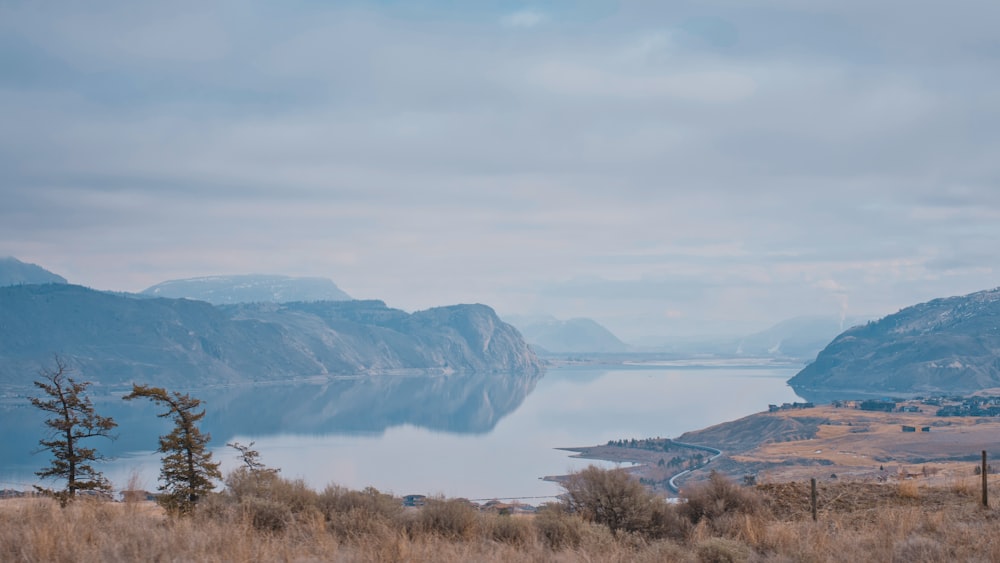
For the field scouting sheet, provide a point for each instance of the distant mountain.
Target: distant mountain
(949, 345)
(15, 272)
(114, 339)
(253, 288)
(575, 336)
(798, 337)
(795, 339)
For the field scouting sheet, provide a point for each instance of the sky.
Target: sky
(668, 169)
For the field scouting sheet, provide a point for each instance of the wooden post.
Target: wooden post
(986, 498)
(812, 497)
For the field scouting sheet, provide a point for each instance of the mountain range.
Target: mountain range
(114, 339)
(948, 345)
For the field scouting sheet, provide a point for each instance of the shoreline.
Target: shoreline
(823, 442)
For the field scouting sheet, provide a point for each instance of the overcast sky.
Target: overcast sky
(666, 168)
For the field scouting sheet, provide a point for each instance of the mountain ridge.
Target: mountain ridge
(946, 345)
(114, 339)
(16, 272)
(249, 288)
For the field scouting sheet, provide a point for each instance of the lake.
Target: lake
(478, 436)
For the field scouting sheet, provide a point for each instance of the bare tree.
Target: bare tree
(187, 469)
(73, 420)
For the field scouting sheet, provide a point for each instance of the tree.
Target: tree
(251, 458)
(73, 421)
(187, 469)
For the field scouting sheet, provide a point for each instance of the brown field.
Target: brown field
(830, 443)
(869, 446)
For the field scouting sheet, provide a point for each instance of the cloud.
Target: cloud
(524, 19)
(735, 168)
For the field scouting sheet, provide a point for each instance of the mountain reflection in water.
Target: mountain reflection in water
(474, 435)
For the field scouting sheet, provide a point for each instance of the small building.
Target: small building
(414, 500)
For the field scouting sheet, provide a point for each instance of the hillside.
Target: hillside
(15, 272)
(222, 290)
(949, 345)
(117, 338)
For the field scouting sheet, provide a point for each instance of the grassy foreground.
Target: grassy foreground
(273, 519)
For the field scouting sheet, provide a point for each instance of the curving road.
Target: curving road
(715, 454)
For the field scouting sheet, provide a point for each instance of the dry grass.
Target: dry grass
(280, 520)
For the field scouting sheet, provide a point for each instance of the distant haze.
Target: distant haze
(667, 169)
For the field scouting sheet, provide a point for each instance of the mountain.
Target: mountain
(253, 288)
(15, 272)
(575, 336)
(795, 339)
(798, 337)
(949, 345)
(114, 339)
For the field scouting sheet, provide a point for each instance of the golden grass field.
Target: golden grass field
(770, 522)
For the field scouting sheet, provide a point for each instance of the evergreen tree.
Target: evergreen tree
(187, 470)
(73, 420)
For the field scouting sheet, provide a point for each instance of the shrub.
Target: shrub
(558, 529)
(617, 500)
(352, 514)
(722, 550)
(511, 530)
(265, 514)
(453, 519)
(718, 497)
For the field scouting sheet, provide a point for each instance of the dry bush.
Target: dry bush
(560, 530)
(452, 519)
(243, 483)
(352, 515)
(266, 514)
(513, 530)
(860, 523)
(722, 550)
(718, 497)
(966, 486)
(617, 500)
(336, 499)
(908, 489)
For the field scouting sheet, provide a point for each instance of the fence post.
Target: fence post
(812, 497)
(986, 499)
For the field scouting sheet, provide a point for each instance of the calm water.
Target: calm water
(480, 437)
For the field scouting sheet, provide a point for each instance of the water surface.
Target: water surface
(477, 436)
